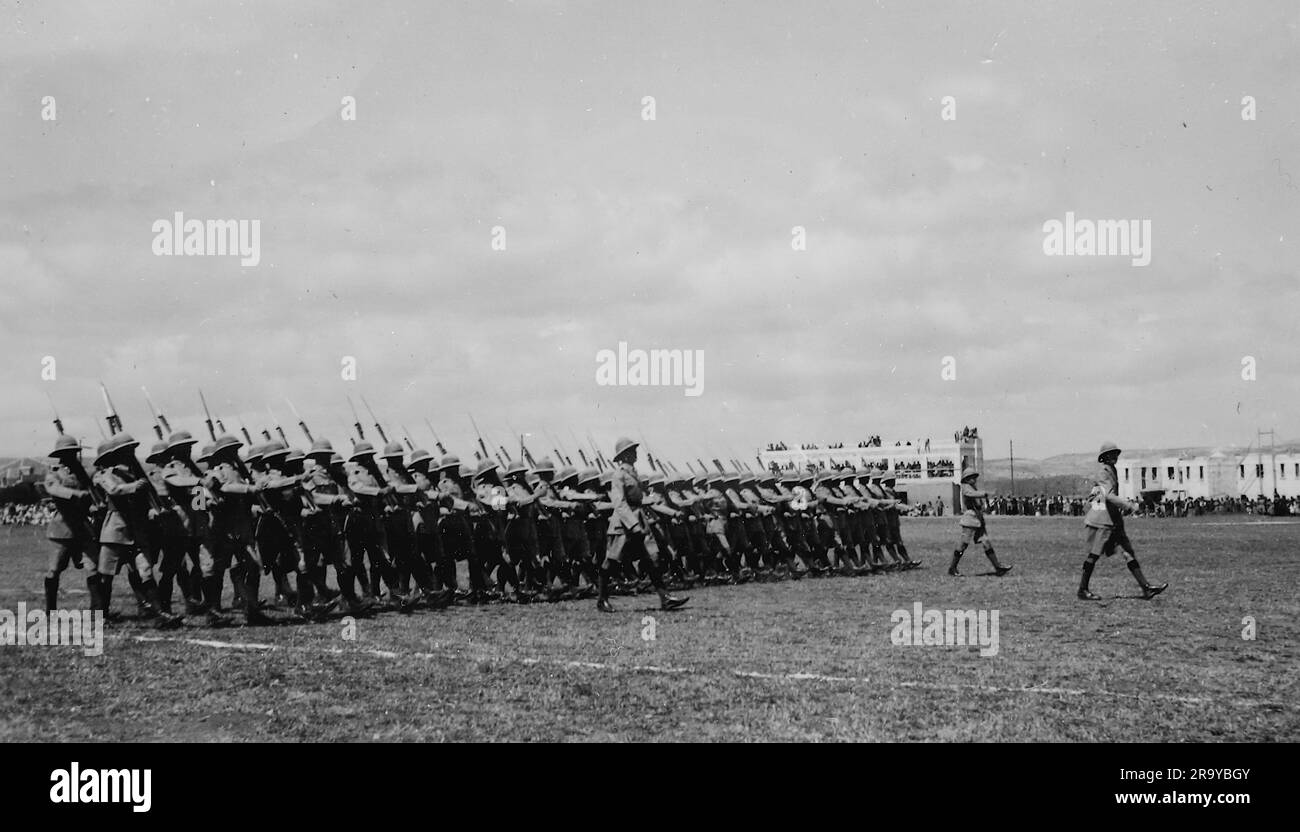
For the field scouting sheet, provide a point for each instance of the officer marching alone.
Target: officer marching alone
(1105, 525)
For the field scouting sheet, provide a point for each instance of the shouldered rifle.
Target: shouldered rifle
(207, 418)
(382, 436)
(133, 462)
(158, 425)
(301, 424)
(276, 423)
(481, 445)
(356, 420)
(436, 441)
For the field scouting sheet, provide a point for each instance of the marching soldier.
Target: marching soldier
(375, 506)
(232, 537)
(402, 525)
(627, 528)
(167, 536)
(895, 538)
(70, 529)
(124, 539)
(457, 524)
(324, 532)
(1105, 524)
(183, 480)
(973, 529)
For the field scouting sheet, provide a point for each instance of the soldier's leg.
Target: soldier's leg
(1149, 590)
(613, 561)
(100, 582)
(635, 547)
(998, 568)
(1097, 539)
(171, 570)
(967, 537)
(55, 566)
(145, 566)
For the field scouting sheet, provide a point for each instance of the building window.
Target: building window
(1169, 475)
(1125, 475)
(1259, 470)
(1282, 468)
(1242, 475)
(1202, 472)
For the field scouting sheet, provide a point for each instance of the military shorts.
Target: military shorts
(1102, 540)
(973, 535)
(629, 544)
(69, 551)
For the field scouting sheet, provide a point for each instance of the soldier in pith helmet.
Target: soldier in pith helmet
(1105, 525)
(627, 528)
(973, 529)
(70, 530)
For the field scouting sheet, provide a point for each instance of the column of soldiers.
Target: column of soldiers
(393, 526)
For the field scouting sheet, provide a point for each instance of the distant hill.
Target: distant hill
(1082, 463)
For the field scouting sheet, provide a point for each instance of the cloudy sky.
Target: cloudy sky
(924, 235)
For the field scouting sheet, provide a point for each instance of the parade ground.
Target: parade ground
(1213, 658)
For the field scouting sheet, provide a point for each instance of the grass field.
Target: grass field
(807, 660)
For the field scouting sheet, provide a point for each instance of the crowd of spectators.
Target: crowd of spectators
(26, 514)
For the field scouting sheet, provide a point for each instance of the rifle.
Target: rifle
(523, 449)
(583, 457)
(114, 421)
(278, 429)
(436, 440)
(383, 436)
(356, 420)
(73, 463)
(600, 458)
(482, 447)
(58, 423)
(153, 411)
(133, 464)
(207, 418)
(301, 423)
(406, 435)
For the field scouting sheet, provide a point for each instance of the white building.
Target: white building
(1221, 474)
(924, 472)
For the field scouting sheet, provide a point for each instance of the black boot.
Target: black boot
(602, 599)
(956, 558)
(51, 594)
(96, 594)
(165, 620)
(998, 569)
(1084, 593)
(1148, 590)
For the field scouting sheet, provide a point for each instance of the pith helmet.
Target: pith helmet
(274, 449)
(449, 461)
(485, 467)
(179, 438)
(587, 476)
(156, 452)
(622, 446)
(224, 442)
(1106, 448)
(120, 442)
(205, 453)
(516, 468)
(64, 445)
(393, 449)
(969, 474)
(545, 466)
(321, 447)
(420, 459)
(361, 450)
(568, 474)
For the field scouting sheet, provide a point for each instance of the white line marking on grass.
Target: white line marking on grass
(803, 676)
